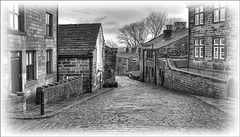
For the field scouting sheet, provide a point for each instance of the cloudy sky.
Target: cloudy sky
(115, 14)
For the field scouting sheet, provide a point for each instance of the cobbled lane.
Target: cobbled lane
(132, 108)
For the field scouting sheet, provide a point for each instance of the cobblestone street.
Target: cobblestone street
(134, 107)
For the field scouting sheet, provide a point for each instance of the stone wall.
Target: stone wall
(60, 90)
(192, 83)
(74, 67)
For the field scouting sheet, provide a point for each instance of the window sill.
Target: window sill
(31, 83)
(199, 58)
(48, 37)
(16, 32)
(199, 25)
(219, 22)
(217, 59)
(49, 76)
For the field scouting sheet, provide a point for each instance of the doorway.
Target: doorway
(16, 72)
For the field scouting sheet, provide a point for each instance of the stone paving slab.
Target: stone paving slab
(229, 106)
(55, 108)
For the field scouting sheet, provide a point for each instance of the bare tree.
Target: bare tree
(123, 36)
(155, 22)
(111, 43)
(133, 34)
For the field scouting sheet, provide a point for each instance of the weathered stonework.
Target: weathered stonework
(175, 46)
(209, 30)
(60, 90)
(110, 67)
(33, 38)
(127, 62)
(192, 83)
(81, 53)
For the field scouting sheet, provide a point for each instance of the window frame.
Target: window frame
(49, 24)
(218, 11)
(197, 15)
(49, 61)
(149, 54)
(219, 46)
(199, 48)
(20, 19)
(30, 65)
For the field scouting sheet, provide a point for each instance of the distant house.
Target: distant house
(213, 35)
(81, 53)
(173, 43)
(29, 35)
(127, 62)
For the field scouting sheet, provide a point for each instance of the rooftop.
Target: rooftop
(77, 37)
(161, 42)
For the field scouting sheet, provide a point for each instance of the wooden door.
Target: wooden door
(16, 74)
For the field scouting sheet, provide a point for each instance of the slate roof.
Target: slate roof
(127, 55)
(161, 42)
(77, 39)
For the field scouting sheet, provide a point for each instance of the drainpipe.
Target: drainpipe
(143, 65)
(189, 37)
(57, 47)
(90, 74)
(155, 73)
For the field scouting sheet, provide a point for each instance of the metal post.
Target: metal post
(42, 103)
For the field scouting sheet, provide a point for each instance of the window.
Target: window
(149, 54)
(219, 48)
(49, 62)
(219, 12)
(199, 48)
(48, 24)
(199, 16)
(196, 51)
(16, 17)
(146, 70)
(30, 63)
(152, 72)
(215, 52)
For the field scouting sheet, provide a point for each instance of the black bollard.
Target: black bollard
(42, 103)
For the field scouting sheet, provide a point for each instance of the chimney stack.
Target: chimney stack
(179, 25)
(168, 31)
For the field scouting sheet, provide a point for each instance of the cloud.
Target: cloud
(114, 14)
(99, 19)
(112, 23)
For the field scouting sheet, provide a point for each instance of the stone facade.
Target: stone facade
(219, 21)
(127, 62)
(110, 67)
(81, 53)
(28, 33)
(174, 44)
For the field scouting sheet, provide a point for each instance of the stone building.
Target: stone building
(173, 43)
(110, 67)
(29, 37)
(213, 35)
(81, 53)
(127, 62)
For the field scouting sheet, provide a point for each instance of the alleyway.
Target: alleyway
(133, 107)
